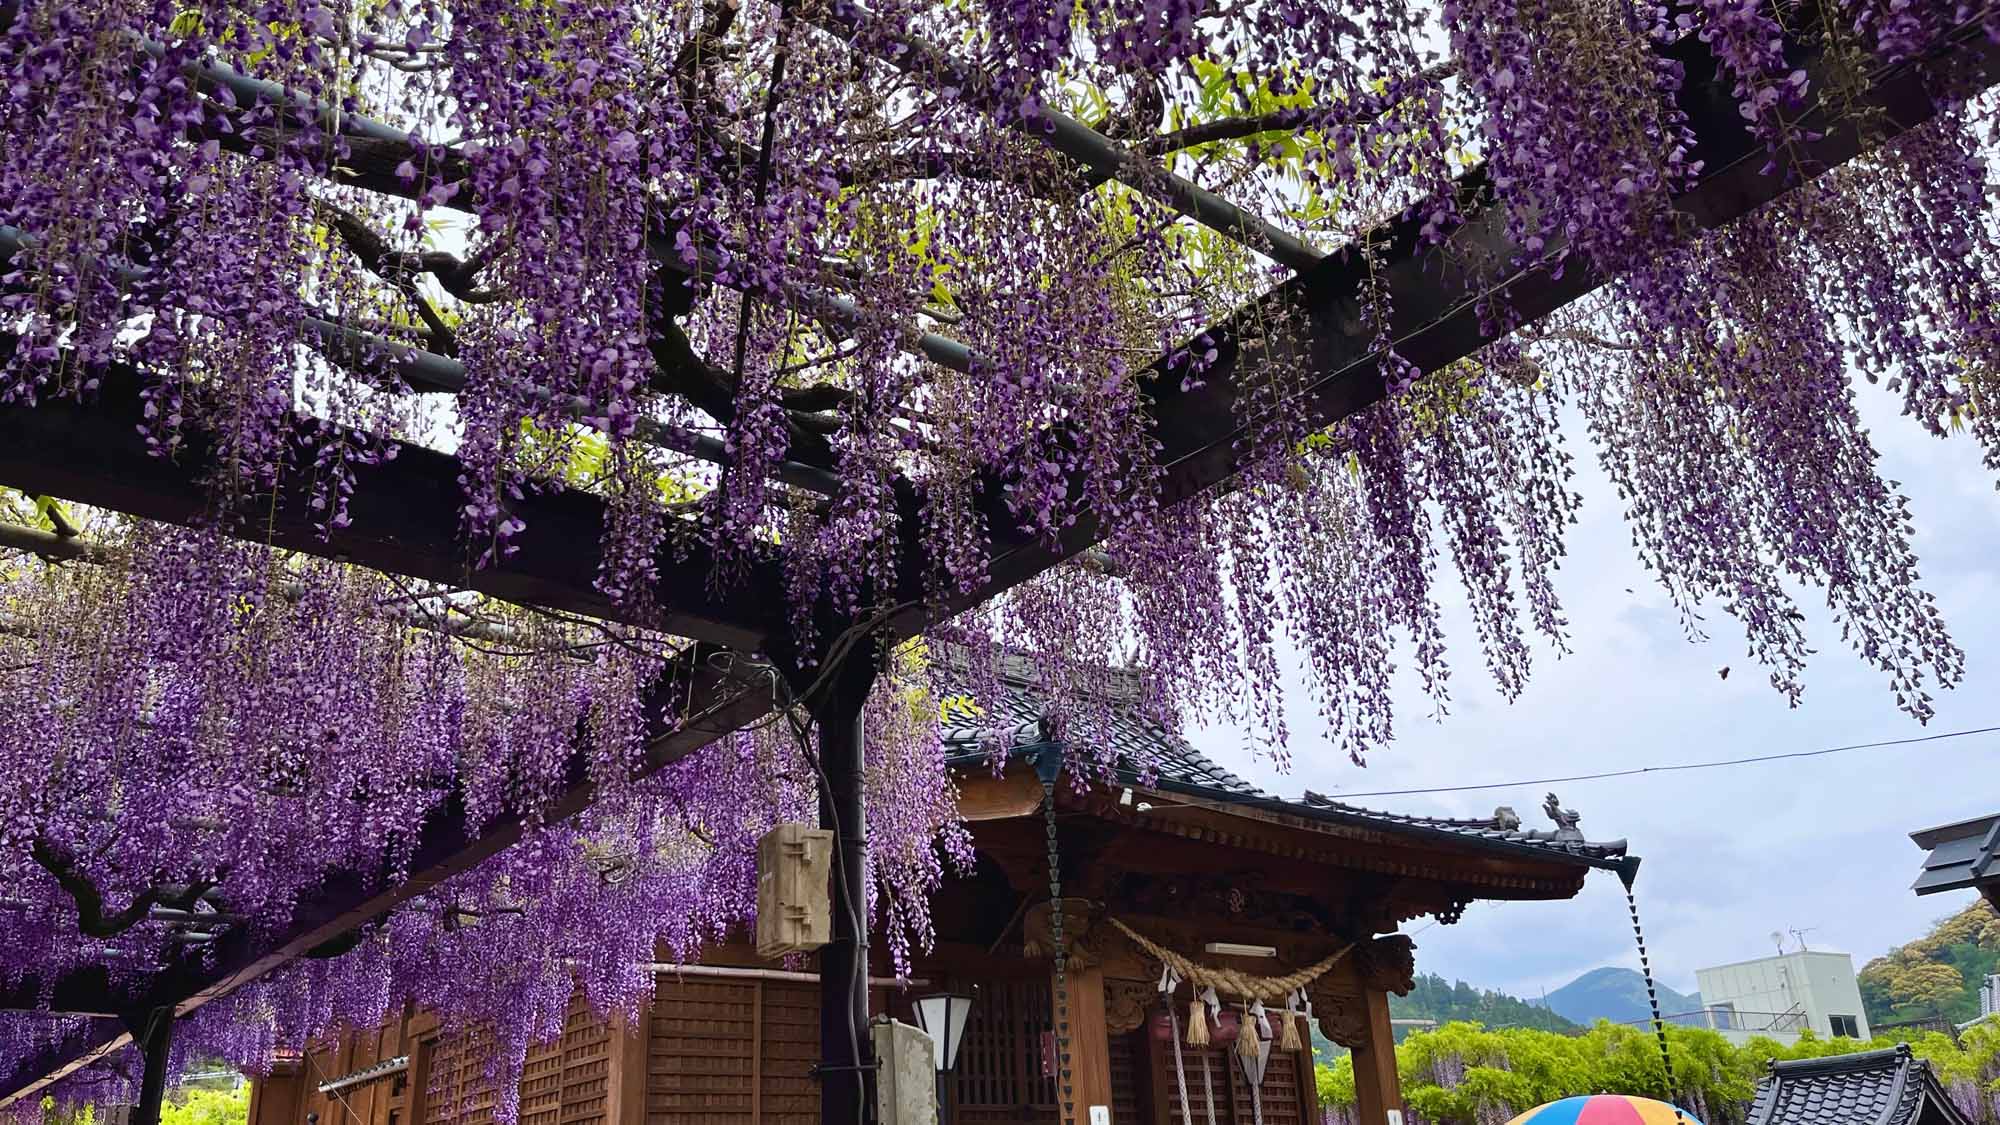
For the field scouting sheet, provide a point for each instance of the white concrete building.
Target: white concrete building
(1778, 996)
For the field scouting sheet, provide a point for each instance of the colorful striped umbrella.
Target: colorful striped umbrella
(1606, 1109)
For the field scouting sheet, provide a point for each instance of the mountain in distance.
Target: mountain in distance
(1440, 1001)
(1615, 994)
(1433, 998)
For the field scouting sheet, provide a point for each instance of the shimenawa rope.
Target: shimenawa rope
(1231, 982)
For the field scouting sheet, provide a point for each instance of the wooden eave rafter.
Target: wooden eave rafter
(1303, 840)
(1368, 881)
(1300, 838)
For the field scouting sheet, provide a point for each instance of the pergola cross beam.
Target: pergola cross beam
(405, 516)
(1436, 293)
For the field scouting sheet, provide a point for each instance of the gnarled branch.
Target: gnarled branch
(91, 919)
(1344, 115)
(392, 266)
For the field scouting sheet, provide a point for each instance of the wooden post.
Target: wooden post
(846, 1076)
(1089, 1042)
(1376, 1090)
(625, 1077)
(1309, 1108)
(275, 1098)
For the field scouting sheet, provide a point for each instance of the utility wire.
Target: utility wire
(1673, 768)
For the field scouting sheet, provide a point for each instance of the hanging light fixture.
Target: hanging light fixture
(943, 1016)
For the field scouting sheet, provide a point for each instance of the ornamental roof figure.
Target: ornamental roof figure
(1566, 819)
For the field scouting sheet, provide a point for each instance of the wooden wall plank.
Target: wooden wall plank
(789, 1014)
(1281, 1093)
(698, 1052)
(757, 1055)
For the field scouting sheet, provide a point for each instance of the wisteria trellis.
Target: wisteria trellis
(873, 271)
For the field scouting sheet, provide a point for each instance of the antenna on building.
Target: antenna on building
(1778, 939)
(1801, 936)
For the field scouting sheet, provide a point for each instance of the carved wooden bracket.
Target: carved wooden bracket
(1126, 1004)
(1389, 963)
(1342, 1015)
(1082, 941)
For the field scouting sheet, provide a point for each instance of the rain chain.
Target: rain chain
(1064, 1088)
(1652, 994)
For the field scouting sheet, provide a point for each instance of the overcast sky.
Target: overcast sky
(1730, 854)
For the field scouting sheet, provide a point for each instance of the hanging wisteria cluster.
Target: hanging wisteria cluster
(813, 290)
(206, 731)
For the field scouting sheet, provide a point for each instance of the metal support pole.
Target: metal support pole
(154, 1032)
(847, 1076)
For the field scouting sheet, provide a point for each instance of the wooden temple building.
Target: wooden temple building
(1187, 856)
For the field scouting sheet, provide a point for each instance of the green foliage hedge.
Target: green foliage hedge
(1463, 1074)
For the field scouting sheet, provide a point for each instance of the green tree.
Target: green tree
(196, 1106)
(85, 1114)
(1937, 974)
(1464, 1074)
(192, 1105)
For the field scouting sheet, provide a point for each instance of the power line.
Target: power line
(1675, 768)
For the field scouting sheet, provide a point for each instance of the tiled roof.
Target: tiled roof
(1503, 827)
(1962, 855)
(1015, 720)
(1886, 1087)
(1150, 755)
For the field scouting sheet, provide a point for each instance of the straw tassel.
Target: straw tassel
(1246, 1034)
(1197, 1022)
(1289, 1041)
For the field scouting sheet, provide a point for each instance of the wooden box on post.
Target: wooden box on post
(794, 898)
(906, 1085)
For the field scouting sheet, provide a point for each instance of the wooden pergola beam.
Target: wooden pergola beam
(100, 1039)
(1316, 319)
(406, 517)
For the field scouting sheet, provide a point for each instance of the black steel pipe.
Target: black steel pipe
(1097, 153)
(427, 371)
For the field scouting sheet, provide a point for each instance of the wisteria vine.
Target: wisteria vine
(696, 258)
